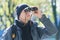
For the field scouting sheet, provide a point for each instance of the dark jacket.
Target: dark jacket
(36, 32)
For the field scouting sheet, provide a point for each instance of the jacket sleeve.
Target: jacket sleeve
(49, 27)
(6, 34)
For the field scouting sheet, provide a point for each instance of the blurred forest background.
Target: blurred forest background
(7, 9)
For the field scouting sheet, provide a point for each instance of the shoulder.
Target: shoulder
(7, 31)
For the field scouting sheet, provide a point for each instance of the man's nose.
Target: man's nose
(28, 14)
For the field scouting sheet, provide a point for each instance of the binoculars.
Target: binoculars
(28, 9)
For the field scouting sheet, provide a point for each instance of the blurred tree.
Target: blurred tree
(7, 8)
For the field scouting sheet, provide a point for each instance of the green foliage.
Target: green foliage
(7, 8)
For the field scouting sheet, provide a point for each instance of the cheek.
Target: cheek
(22, 16)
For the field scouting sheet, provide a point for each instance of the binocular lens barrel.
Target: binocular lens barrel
(34, 8)
(28, 9)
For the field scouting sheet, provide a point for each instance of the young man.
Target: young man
(25, 29)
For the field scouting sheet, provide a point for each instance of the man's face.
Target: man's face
(25, 16)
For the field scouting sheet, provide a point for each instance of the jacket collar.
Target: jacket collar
(21, 24)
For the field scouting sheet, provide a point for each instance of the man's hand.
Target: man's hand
(37, 13)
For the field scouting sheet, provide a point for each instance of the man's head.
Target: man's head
(22, 14)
